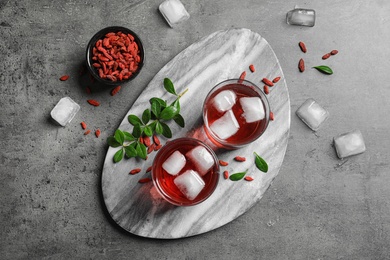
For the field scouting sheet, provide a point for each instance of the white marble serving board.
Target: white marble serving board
(138, 208)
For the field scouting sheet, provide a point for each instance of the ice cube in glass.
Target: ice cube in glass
(174, 12)
(349, 144)
(64, 111)
(253, 109)
(225, 126)
(312, 114)
(301, 16)
(201, 158)
(174, 163)
(225, 100)
(190, 184)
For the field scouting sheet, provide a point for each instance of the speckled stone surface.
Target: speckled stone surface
(223, 55)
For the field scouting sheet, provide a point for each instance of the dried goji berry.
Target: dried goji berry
(135, 171)
(225, 175)
(149, 169)
(271, 116)
(327, 55)
(65, 77)
(240, 159)
(157, 147)
(93, 102)
(147, 141)
(223, 163)
(267, 82)
(275, 80)
(87, 132)
(252, 68)
(115, 90)
(151, 148)
(156, 140)
(83, 125)
(248, 178)
(301, 65)
(266, 89)
(303, 47)
(97, 133)
(144, 180)
(242, 76)
(334, 52)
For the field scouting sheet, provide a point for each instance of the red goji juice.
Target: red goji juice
(164, 182)
(247, 132)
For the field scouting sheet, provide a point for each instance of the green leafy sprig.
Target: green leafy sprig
(324, 69)
(152, 121)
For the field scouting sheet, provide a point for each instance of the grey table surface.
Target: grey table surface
(318, 207)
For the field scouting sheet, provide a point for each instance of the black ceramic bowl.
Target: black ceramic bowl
(101, 35)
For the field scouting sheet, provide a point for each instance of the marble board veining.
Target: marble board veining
(138, 208)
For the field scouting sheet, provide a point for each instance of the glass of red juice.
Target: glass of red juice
(185, 171)
(235, 113)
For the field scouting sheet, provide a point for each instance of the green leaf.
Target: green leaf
(166, 130)
(148, 131)
(158, 100)
(146, 116)
(261, 164)
(168, 85)
(119, 136)
(112, 142)
(134, 120)
(137, 131)
(141, 150)
(156, 108)
(179, 120)
(128, 137)
(159, 128)
(169, 112)
(118, 156)
(237, 176)
(152, 126)
(176, 104)
(130, 151)
(324, 69)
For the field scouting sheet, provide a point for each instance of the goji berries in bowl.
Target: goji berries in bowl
(115, 55)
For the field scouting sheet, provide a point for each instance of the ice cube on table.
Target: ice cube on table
(224, 100)
(349, 144)
(225, 126)
(64, 111)
(175, 162)
(253, 109)
(312, 114)
(190, 184)
(174, 12)
(300, 16)
(201, 158)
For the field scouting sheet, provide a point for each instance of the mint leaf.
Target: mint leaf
(166, 130)
(130, 151)
(156, 108)
(146, 116)
(112, 142)
(159, 128)
(169, 112)
(179, 120)
(128, 137)
(237, 176)
(137, 131)
(324, 69)
(261, 164)
(141, 150)
(118, 156)
(119, 136)
(148, 131)
(134, 120)
(168, 85)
